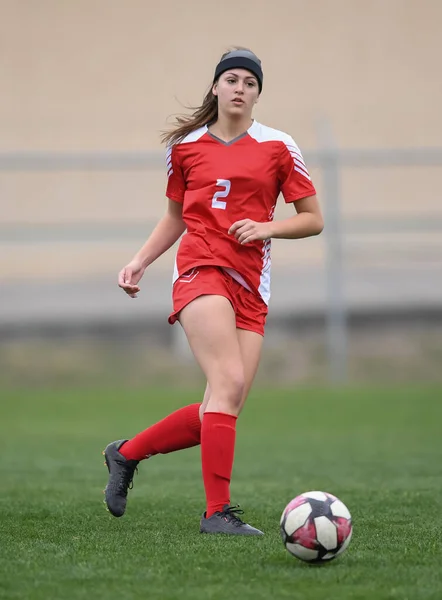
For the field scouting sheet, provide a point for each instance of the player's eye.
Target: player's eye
(251, 83)
(231, 80)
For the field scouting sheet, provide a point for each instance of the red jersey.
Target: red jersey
(219, 183)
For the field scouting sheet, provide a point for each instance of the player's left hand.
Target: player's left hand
(247, 230)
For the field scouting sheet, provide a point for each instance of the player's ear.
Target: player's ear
(214, 89)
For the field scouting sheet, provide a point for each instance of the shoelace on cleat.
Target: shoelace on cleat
(127, 476)
(230, 514)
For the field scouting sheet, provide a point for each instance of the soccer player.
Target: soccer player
(225, 172)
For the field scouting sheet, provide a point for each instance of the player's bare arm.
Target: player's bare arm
(307, 222)
(168, 230)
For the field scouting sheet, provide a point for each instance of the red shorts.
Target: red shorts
(250, 310)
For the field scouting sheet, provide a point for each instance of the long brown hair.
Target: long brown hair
(206, 114)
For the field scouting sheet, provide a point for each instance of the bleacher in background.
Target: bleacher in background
(90, 86)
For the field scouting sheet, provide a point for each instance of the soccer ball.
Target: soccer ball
(316, 527)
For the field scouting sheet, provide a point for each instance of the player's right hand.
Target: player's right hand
(129, 277)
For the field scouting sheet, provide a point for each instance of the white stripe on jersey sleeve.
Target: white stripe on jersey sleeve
(295, 152)
(303, 173)
(262, 133)
(300, 164)
(169, 161)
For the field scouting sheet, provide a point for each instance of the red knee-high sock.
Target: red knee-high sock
(217, 452)
(181, 429)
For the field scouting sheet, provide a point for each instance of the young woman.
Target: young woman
(225, 173)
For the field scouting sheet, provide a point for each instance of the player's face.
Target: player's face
(237, 91)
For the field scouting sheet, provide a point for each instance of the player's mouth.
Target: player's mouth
(238, 101)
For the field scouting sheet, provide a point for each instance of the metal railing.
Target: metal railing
(328, 158)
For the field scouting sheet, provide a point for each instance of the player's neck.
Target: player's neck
(229, 129)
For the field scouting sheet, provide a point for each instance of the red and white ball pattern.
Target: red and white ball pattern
(316, 527)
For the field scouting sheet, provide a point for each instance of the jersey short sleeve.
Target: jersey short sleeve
(176, 185)
(295, 180)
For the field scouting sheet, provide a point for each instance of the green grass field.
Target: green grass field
(380, 451)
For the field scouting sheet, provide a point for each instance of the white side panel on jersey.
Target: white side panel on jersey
(300, 552)
(339, 509)
(297, 518)
(264, 280)
(315, 495)
(175, 271)
(262, 133)
(326, 533)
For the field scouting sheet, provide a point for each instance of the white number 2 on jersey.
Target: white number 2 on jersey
(225, 183)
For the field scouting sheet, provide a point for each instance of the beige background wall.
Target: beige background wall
(106, 74)
(83, 74)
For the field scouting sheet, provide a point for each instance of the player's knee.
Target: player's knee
(226, 390)
(231, 389)
(237, 386)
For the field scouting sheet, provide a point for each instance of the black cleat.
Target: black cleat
(227, 521)
(121, 473)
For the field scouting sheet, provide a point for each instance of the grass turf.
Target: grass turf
(380, 451)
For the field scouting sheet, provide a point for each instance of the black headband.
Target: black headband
(240, 59)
